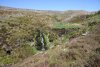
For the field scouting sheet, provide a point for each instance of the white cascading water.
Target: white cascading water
(42, 41)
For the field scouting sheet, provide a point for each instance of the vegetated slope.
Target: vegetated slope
(82, 51)
(18, 31)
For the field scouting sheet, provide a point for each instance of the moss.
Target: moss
(47, 41)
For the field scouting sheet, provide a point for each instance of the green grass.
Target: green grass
(6, 60)
(66, 25)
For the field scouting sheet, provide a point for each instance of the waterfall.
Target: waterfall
(42, 41)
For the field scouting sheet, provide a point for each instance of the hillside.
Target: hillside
(36, 38)
(61, 16)
(83, 51)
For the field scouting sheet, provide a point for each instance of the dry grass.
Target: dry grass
(80, 52)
